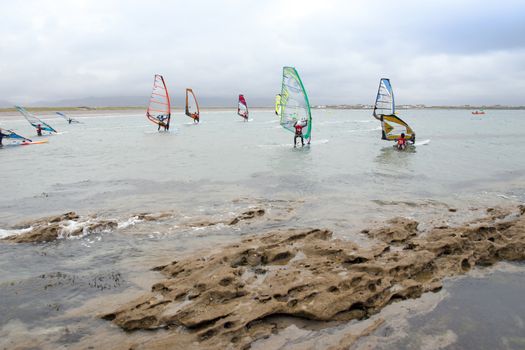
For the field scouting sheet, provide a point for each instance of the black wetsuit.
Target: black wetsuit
(162, 123)
(1, 137)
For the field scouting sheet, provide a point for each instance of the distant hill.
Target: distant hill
(113, 101)
(5, 104)
(133, 101)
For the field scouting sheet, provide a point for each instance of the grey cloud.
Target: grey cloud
(439, 52)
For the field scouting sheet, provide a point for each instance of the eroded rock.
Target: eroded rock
(226, 299)
(60, 226)
(247, 215)
(397, 230)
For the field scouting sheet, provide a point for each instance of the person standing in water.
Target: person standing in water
(162, 122)
(401, 142)
(2, 135)
(298, 134)
(39, 130)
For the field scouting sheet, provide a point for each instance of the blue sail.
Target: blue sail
(34, 121)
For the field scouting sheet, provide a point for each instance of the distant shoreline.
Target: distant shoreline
(84, 109)
(105, 109)
(400, 107)
(45, 112)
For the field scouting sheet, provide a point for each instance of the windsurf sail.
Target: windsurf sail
(385, 99)
(242, 108)
(67, 118)
(384, 110)
(192, 106)
(34, 121)
(294, 104)
(159, 107)
(10, 134)
(278, 105)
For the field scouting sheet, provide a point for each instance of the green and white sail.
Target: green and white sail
(294, 106)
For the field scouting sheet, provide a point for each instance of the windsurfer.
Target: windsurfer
(69, 120)
(195, 117)
(39, 130)
(2, 135)
(298, 133)
(162, 122)
(401, 142)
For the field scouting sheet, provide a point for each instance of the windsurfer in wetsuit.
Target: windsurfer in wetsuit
(161, 123)
(2, 135)
(298, 133)
(401, 142)
(39, 130)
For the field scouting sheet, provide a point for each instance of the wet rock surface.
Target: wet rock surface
(60, 226)
(397, 230)
(227, 298)
(247, 215)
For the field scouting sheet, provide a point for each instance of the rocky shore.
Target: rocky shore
(71, 225)
(231, 297)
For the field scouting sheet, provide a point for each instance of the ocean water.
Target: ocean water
(117, 165)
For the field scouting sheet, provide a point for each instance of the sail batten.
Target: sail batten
(34, 121)
(294, 104)
(159, 97)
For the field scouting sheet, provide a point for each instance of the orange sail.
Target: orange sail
(192, 106)
(159, 108)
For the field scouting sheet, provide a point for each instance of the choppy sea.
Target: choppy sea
(116, 165)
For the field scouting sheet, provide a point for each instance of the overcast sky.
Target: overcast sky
(434, 52)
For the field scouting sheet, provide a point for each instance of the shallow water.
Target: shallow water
(116, 166)
(479, 311)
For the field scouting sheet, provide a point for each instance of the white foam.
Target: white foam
(132, 221)
(422, 143)
(71, 226)
(8, 233)
(363, 130)
(316, 142)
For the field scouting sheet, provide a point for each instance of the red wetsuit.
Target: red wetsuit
(298, 134)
